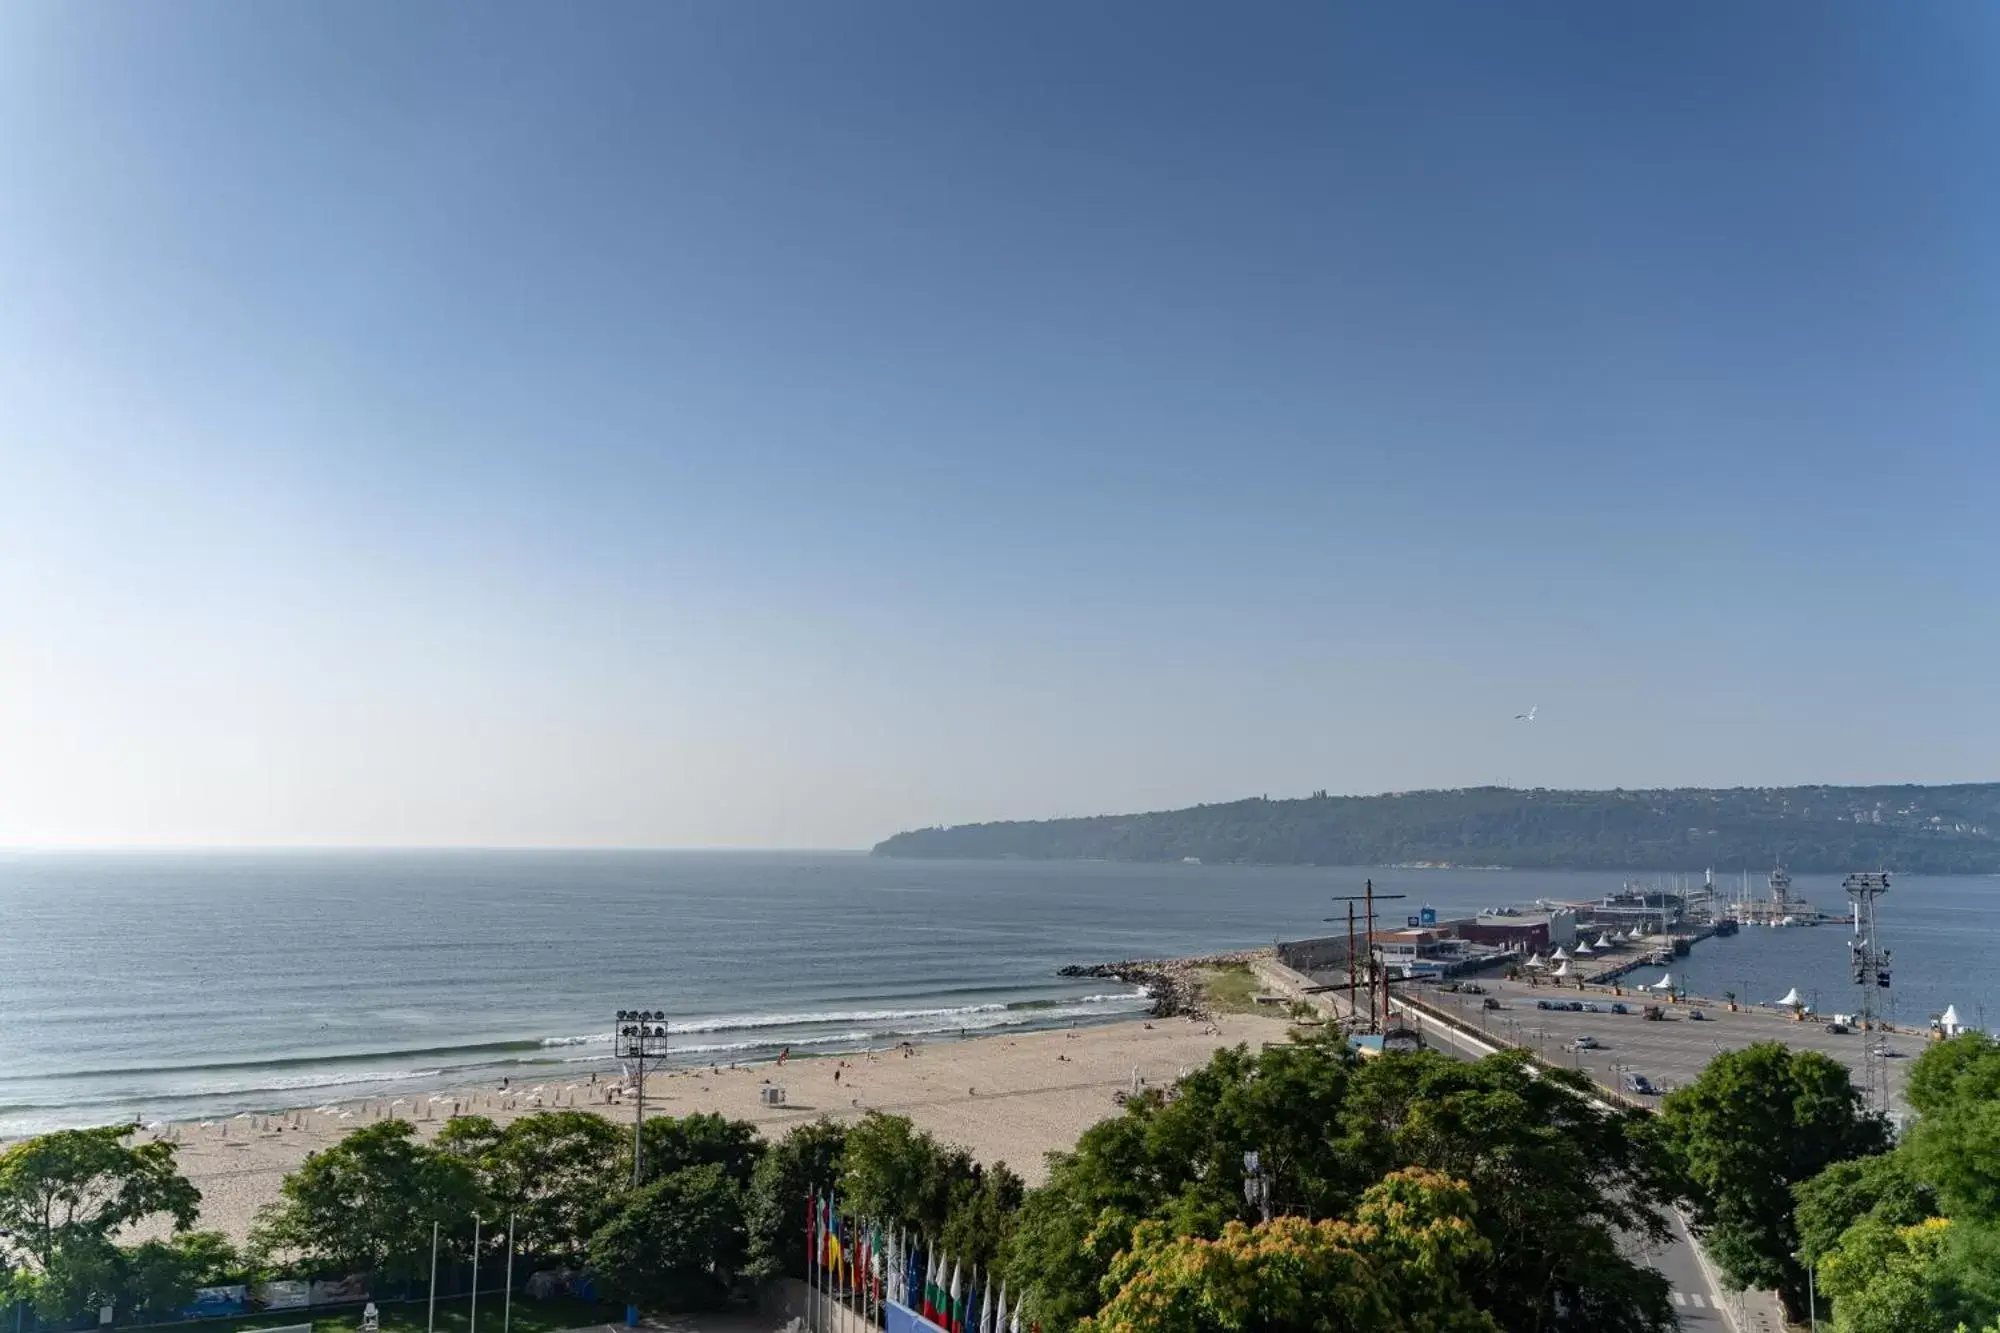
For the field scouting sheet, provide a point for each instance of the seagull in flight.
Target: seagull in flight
(1528, 716)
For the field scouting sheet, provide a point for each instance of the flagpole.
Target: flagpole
(812, 1262)
(430, 1322)
(507, 1310)
(473, 1324)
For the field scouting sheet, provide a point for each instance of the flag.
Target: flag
(833, 1237)
(986, 1306)
(1014, 1325)
(954, 1307)
(812, 1230)
(933, 1295)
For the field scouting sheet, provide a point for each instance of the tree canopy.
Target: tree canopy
(677, 1242)
(1756, 1123)
(367, 1204)
(555, 1172)
(1560, 1178)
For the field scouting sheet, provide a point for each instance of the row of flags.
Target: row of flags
(870, 1265)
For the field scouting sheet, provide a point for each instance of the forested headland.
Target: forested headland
(1915, 829)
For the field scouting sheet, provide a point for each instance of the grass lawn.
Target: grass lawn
(454, 1315)
(1232, 989)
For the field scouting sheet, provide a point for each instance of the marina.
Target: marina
(1608, 986)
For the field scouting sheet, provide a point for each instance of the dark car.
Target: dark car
(1489, 1003)
(1619, 1007)
(1545, 1004)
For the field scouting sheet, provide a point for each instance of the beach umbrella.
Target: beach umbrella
(1558, 955)
(1561, 971)
(1583, 948)
(1604, 941)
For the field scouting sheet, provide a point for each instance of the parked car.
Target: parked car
(1489, 1002)
(1546, 1004)
(1839, 1029)
(1697, 1015)
(1586, 1042)
(1620, 1007)
(1637, 1084)
(1575, 1006)
(1473, 988)
(1655, 1014)
(1589, 1007)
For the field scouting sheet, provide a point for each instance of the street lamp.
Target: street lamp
(640, 1036)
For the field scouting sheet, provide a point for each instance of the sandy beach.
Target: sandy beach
(1006, 1098)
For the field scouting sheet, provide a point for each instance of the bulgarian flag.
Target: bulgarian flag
(955, 1310)
(934, 1288)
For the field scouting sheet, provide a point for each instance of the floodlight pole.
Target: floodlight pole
(641, 1035)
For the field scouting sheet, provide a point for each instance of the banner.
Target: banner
(340, 1291)
(285, 1294)
(902, 1319)
(216, 1302)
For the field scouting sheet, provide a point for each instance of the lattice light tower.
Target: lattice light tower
(1871, 977)
(641, 1038)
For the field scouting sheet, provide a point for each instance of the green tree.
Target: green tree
(1395, 1268)
(981, 1216)
(676, 1243)
(802, 1165)
(1955, 1142)
(557, 1173)
(1882, 1187)
(76, 1188)
(1758, 1122)
(161, 1276)
(674, 1143)
(1562, 1180)
(367, 1204)
(895, 1173)
(1890, 1279)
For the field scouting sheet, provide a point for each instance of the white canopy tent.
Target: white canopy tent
(1792, 1000)
(1562, 971)
(1558, 955)
(1664, 983)
(1948, 1021)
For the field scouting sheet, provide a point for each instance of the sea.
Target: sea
(159, 986)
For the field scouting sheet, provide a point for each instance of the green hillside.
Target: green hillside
(1915, 829)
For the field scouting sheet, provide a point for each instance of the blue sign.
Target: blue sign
(217, 1302)
(1428, 916)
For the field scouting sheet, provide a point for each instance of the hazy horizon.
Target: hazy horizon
(752, 427)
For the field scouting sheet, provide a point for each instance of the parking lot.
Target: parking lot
(1667, 1053)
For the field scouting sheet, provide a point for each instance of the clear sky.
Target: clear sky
(785, 423)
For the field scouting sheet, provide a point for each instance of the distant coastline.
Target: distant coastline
(1941, 830)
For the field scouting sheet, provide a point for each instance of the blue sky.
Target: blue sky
(781, 424)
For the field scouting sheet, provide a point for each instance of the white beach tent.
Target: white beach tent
(1535, 960)
(1562, 971)
(1948, 1022)
(1792, 999)
(1604, 942)
(1584, 950)
(1558, 955)
(1664, 983)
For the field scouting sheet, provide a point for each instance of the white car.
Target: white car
(1584, 1043)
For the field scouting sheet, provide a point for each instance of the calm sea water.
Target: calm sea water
(173, 985)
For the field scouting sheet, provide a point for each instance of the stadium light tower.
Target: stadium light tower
(640, 1036)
